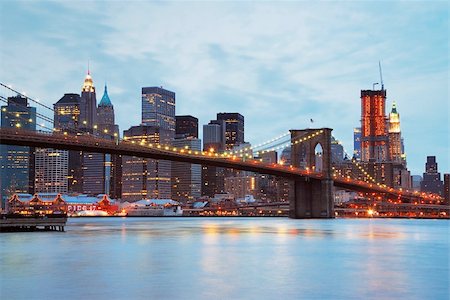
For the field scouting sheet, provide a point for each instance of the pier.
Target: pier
(33, 224)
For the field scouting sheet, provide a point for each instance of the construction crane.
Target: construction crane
(381, 76)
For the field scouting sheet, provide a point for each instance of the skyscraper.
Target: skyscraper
(186, 126)
(149, 178)
(374, 135)
(431, 182)
(67, 119)
(146, 178)
(395, 139)
(213, 140)
(357, 143)
(107, 129)
(17, 162)
(158, 108)
(88, 105)
(447, 189)
(234, 128)
(186, 178)
(51, 169)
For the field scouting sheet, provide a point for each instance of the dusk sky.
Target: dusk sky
(279, 64)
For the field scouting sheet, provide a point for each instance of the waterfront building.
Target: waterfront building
(185, 127)
(431, 182)
(374, 135)
(146, 178)
(234, 128)
(51, 167)
(447, 188)
(241, 186)
(186, 178)
(17, 162)
(67, 119)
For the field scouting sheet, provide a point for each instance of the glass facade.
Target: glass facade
(17, 162)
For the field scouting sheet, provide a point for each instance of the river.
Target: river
(228, 258)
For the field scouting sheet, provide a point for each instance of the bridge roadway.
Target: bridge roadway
(19, 137)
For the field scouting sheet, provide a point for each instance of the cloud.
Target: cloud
(278, 64)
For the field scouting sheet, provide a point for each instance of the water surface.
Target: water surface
(228, 258)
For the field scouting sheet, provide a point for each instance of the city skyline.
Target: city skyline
(237, 65)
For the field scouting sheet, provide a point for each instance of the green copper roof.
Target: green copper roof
(394, 108)
(105, 99)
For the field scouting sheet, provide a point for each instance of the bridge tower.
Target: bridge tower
(312, 198)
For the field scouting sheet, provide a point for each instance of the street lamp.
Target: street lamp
(373, 86)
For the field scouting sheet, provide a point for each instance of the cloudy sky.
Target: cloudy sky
(279, 64)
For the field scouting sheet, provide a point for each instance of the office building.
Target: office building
(158, 108)
(234, 128)
(431, 182)
(17, 162)
(242, 186)
(67, 119)
(146, 178)
(357, 143)
(396, 148)
(51, 168)
(337, 151)
(374, 135)
(88, 105)
(186, 178)
(185, 127)
(447, 189)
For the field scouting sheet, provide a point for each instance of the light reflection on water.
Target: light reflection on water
(228, 258)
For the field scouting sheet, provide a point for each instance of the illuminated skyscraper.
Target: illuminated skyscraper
(67, 119)
(51, 169)
(158, 108)
(17, 162)
(374, 134)
(395, 139)
(146, 178)
(234, 128)
(88, 105)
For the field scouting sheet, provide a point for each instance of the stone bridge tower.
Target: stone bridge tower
(312, 198)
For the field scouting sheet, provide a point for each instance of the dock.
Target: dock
(32, 224)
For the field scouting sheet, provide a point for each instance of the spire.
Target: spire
(88, 85)
(394, 108)
(105, 99)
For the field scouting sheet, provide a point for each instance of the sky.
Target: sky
(280, 64)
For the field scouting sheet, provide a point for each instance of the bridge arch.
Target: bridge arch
(311, 150)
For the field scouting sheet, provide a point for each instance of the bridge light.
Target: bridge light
(18, 125)
(166, 148)
(211, 149)
(174, 149)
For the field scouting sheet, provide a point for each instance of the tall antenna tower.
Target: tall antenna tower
(381, 76)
